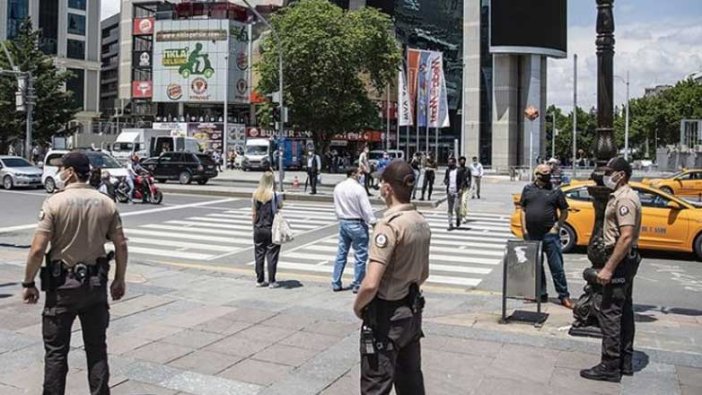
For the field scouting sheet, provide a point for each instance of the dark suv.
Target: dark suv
(182, 166)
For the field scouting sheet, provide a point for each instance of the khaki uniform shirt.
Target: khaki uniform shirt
(623, 209)
(401, 243)
(79, 220)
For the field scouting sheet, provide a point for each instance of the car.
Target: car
(376, 155)
(98, 159)
(182, 166)
(684, 183)
(667, 222)
(18, 172)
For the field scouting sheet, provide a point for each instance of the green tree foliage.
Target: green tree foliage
(331, 57)
(54, 107)
(656, 116)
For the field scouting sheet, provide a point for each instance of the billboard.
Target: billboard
(529, 27)
(192, 61)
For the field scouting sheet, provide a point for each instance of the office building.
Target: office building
(70, 32)
(109, 75)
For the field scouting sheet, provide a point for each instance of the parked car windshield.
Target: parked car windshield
(103, 161)
(16, 162)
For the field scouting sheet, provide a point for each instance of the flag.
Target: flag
(412, 72)
(422, 88)
(437, 108)
(404, 108)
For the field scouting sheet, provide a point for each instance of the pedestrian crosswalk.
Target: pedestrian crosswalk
(462, 257)
(215, 235)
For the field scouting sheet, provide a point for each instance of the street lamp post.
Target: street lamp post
(531, 113)
(281, 124)
(585, 311)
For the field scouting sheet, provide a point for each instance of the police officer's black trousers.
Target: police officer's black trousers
(61, 308)
(399, 361)
(616, 315)
(265, 250)
(429, 177)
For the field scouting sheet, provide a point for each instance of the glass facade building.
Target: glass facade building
(17, 11)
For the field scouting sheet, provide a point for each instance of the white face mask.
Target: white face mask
(61, 181)
(610, 183)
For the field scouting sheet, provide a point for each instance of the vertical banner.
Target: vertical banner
(404, 108)
(422, 88)
(437, 95)
(412, 72)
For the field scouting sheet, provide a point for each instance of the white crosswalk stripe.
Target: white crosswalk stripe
(456, 258)
(217, 234)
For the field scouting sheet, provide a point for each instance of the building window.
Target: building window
(76, 24)
(75, 49)
(48, 25)
(76, 84)
(17, 11)
(76, 4)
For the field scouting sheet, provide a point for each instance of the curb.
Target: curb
(299, 197)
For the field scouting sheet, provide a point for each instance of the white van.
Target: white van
(257, 154)
(97, 159)
(376, 155)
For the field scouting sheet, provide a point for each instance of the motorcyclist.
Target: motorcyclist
(135, 170)
(106, 186)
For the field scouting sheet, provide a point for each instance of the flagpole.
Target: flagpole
(387, 115)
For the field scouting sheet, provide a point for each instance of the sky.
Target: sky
(657, 41)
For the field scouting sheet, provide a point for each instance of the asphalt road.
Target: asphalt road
(194, 231)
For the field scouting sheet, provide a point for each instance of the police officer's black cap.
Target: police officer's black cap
(619, 164)
(76, 160)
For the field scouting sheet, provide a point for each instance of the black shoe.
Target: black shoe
(458, 223)
(337, 289)
(602, 373)
(421, 198)
(627, 368)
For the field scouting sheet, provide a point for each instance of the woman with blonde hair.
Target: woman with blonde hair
(265, 205)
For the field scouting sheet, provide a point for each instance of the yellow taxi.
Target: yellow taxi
(667, 223)
(685, 183)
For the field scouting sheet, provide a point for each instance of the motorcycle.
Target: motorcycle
(145, 189)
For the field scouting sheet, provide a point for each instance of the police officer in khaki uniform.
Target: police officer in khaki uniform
(622, 225)
(389, 300)
(77, 221)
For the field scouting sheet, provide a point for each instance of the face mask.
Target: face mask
(61, 181)
(452, 166)
(610, 183)
(545, 178)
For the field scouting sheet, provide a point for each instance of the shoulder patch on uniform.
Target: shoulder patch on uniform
(381, 241)
(41, 215)
(623, 210)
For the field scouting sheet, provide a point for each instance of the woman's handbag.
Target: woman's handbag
(280, 231)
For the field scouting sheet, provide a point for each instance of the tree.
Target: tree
(331, 57)
(54, 107)
(586, 126)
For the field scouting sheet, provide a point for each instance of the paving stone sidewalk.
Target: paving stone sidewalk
(185, 331)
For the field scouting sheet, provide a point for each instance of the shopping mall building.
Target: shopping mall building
(492, 74)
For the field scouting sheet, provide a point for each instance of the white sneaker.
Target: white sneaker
(274, 285)
(261, 285)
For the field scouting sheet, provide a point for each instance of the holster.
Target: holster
(627, 268)
(55, 275)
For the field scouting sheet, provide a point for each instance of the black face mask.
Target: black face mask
(545, 178)
(452, 166)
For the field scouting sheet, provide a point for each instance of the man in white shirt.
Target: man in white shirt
(353, 209)
(455, 181)
(476, 171)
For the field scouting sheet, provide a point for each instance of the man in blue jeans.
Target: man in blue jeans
(353, 209)
(544, 210)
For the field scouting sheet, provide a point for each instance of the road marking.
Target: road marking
(181, 244)
(169, 253)
(228, 240)
(199, 230)
(247, 222)
(37, 193)
(132, 213)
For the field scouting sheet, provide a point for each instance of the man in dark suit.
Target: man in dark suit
(314, 167)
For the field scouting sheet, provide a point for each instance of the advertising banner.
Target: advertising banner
(179, 129)
(438, 116)
(236, 136)
(142, 89)
(141, 59)
(191, 58)
(143, 26)
(413, 56)
(209, 135)
(404, 110)
(422, 88)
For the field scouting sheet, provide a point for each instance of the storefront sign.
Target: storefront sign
(268, 133)
(141, 59)
(142, 89)
(143, 26)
